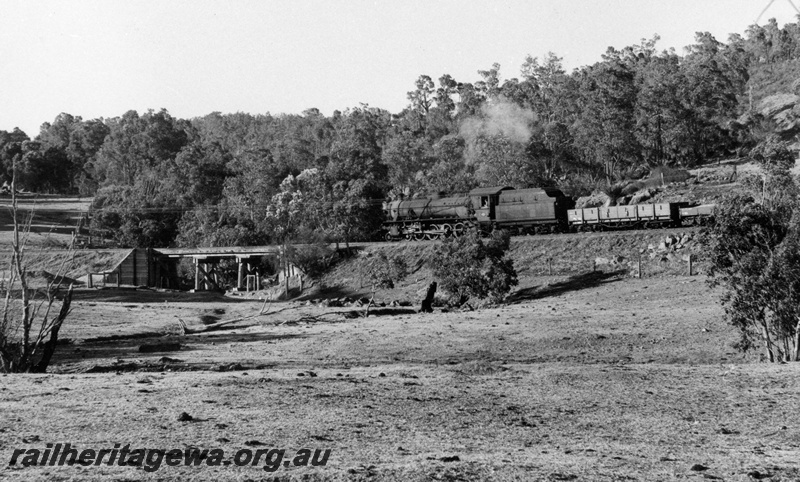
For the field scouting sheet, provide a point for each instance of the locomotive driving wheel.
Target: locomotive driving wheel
(458, 230)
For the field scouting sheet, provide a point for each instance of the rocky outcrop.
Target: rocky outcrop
(596, 200)
(783, 109)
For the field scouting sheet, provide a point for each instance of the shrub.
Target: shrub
(755, 252)
(467, 267)
(312, 259)
(382, 271)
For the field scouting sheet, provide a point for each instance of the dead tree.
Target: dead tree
(28, 328)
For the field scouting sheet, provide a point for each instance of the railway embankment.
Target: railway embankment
(663, 252)
(660, 253)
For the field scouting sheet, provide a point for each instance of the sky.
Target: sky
(102, 58)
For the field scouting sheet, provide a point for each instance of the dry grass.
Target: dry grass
(55, 219)
(576, 379)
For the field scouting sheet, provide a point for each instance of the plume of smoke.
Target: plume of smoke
(499, 117)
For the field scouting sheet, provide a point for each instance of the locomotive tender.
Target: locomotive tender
(527, 211)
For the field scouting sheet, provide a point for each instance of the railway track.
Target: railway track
(368, 244)
(534, 237)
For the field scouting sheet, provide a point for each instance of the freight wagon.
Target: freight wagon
(636, 215)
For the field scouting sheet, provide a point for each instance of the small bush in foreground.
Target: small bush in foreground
(468, 267)
(382, 271)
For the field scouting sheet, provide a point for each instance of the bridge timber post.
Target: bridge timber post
(196, 274)
(240, 278)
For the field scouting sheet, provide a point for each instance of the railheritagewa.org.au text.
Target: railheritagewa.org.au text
(268, 459)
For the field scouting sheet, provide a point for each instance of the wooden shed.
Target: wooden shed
(137, 268)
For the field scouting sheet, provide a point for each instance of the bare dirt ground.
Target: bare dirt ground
(586, 376)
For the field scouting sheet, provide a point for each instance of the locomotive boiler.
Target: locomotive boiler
(527, 210)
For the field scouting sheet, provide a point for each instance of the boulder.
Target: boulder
(624, 201)
(185, 417)
(641, 196)
(631, 189)
(594, 201)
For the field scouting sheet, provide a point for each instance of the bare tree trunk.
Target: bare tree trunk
(371, 300)
(18, 253)
(50, 347)
(787, 352)
(767, 342)
(285, 270)
(796, 342)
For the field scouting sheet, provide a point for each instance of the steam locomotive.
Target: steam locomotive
(525, 211)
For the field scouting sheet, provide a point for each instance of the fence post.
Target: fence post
(691, 259)
(550, 266)
(639, 266)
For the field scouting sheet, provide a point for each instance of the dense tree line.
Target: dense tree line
(251, 179)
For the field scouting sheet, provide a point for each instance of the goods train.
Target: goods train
(526, 211)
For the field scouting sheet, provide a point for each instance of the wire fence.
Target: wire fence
(631, 264)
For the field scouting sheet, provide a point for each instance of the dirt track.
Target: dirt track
(591, 377)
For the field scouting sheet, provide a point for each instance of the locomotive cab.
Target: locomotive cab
(484, 201)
